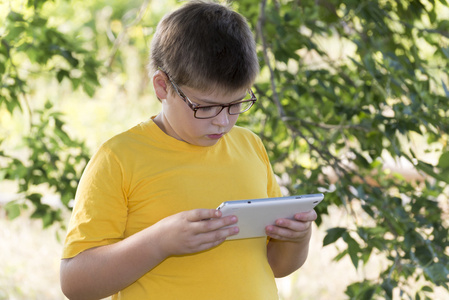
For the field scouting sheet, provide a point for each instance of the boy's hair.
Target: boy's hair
(205, 46)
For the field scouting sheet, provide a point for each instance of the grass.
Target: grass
(29, 260)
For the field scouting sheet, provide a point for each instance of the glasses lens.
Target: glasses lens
(208, 112)
(235, 109)
(240, 107)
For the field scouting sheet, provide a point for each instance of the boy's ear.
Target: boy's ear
(160, 80)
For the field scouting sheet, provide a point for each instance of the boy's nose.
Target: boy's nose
(222, 119)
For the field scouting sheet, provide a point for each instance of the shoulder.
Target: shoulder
(244, 138)
(244, 133)
(124, 146)
(137, 135)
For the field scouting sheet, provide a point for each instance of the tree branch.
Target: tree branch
(259, 28)
(327, 126)
(122, 34)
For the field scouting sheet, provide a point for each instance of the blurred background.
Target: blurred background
(352, 102)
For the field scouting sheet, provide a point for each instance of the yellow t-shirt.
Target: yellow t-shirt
(142, 176)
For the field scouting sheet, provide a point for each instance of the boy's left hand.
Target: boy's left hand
(295, 230)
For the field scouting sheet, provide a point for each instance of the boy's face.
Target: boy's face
(177, 118)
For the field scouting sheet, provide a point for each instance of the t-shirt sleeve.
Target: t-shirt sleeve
(100, 212)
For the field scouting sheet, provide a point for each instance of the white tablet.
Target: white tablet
(255, 214)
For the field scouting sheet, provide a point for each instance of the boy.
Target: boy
(144, 224)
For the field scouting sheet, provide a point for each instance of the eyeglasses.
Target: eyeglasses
(210, 111)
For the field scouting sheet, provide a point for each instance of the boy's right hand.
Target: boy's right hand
(194, 231)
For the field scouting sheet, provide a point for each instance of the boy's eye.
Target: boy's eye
(208, 111)
(236, 106)
(208, 108)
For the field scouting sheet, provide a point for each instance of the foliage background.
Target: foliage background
(353, 102)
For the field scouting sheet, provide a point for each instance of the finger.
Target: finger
(207, 246)
(211, 239)
(293, 224)
(215, 224)
(202, 214)
(309, 216)
(213, 243)
(219, 235)
(286, 229)
(280, 233)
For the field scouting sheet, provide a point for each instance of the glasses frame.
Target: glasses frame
(195, 106)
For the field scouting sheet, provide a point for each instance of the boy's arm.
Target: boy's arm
(102, 271)
(288, 247)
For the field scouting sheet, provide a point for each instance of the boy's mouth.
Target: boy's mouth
(215, 136)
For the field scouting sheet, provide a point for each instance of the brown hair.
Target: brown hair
(205, 45)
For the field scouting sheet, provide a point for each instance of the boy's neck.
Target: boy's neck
(158, 121)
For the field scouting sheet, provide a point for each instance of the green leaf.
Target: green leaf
(424, 255)
(443, 161)
(89, 89)
(12, 210)
(444, 25)
(438, 273)
(361, 290)
(47, 219)
(340, 255)
(38, 21)
(35, 198)
(388, 286)
(446, 90)
(2, 69)
(429, 169)
(69, 57)
(427, 288)
(353, 249)
(15, 17)
(36, 4)
(14, 34)
(333, 235)
(61, 74)
(445, 51)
